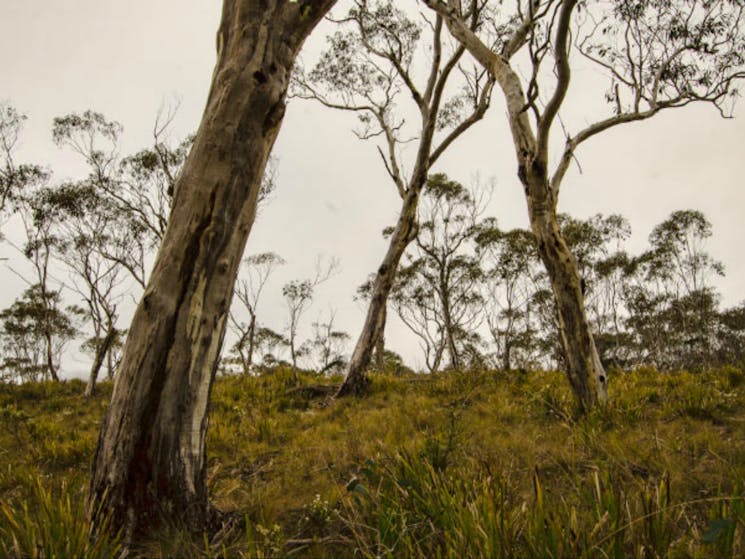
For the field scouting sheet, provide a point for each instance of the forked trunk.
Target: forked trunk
(434, 366)
(356, 380)
(150, 463)
(101, 352)
(584, 369)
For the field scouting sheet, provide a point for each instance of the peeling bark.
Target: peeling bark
(150, 463)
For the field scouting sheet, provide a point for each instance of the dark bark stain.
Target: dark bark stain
(260, 77)
(538, 169)
(274, 117)
(138, 489)
(522, 174)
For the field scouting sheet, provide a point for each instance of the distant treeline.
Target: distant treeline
(472, 293)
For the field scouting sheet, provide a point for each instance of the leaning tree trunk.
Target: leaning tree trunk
(356, 380)
(149, 466)
(584, 369)
(101, 352)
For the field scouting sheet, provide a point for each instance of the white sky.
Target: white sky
(125, 59)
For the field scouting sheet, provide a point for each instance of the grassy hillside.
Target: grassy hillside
(459, 464)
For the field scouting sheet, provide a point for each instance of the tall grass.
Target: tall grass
(458, 464)
(51, 524)
(405, 507)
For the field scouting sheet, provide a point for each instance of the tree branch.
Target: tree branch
(561, 53)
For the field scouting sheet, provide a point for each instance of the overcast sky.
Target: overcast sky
(126, 59)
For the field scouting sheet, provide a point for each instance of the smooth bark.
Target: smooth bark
(584, 369)
(150, 462)
(380, 343)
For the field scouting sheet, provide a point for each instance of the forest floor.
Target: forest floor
(456, 464)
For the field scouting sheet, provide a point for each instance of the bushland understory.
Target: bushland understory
(456, 464)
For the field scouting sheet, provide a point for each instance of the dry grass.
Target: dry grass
(475, 463)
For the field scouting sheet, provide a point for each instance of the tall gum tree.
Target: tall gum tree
(658, 54)
(149, 464)
(371, 64)
(22, 188)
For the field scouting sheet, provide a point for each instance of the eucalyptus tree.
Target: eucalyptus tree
(270, 345)
(646, 300)
(673, 306)
(13, 176)
(731, 335)
(328, 345)
(679, 243)
(596, 243)
(657, 55)
(298, 296)
(364, 293)
(136, 187)
(99, 243)
(87, 224)
(373, 63)
(40, 245)
(416, 305)
(438, 288)
(511, 278)
(150, 462)
(34, 331)
(21, 192)
(608, 310)
(679, 252)
(248, 290)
